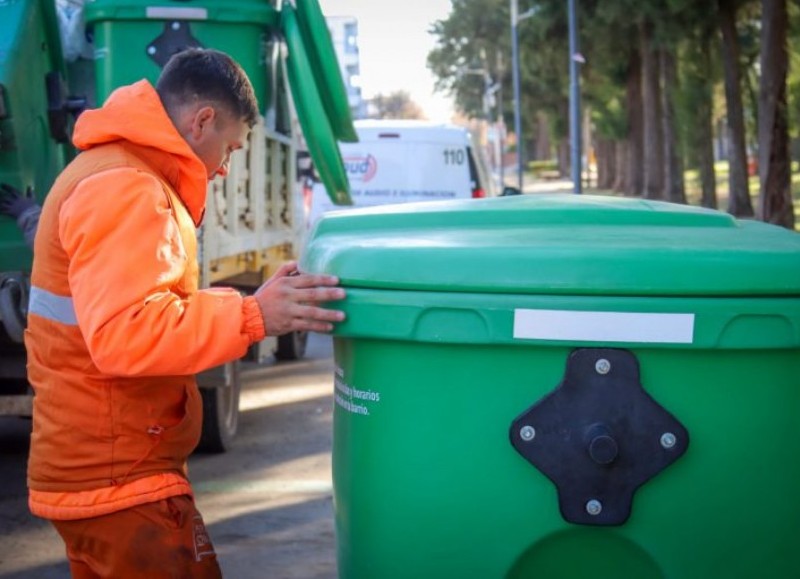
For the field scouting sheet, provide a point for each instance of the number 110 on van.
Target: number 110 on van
(454, 156)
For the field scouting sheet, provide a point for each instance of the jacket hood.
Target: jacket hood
(134, 113)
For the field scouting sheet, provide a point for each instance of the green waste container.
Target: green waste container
(133, 39)
(30, 155)
(564, 387)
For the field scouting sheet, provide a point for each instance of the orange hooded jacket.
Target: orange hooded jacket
(117, 326)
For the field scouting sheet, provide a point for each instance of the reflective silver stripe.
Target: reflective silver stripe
(52, 307)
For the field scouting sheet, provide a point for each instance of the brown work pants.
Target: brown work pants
(162, 540)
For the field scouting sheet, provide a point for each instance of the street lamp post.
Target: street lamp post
(516, 18)
(490, 90)
(515, 76)
(499, 143)
(489, 100)
(574, 99)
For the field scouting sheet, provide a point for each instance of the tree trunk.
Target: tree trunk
(653, 141)
(774, 163)
(704, 132)
(739, 203)
(606, 163)
(674, 189)
(611, 164)
(600, 151)
(563, 158)
(621, 169)
(543, 150)
(698, 88)
(634, 181)
(705, 148)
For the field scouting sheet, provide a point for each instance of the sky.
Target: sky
(393, 44)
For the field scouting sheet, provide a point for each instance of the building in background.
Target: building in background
(344, 33)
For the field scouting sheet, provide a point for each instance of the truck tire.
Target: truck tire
(291, 346)
(221, 413)
(14, 306)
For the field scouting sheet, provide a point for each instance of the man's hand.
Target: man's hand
(14, 203)
(289, 301)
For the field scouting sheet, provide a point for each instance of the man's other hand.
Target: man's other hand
(289, 301)
(13, 202)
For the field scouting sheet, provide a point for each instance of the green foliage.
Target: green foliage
(698, 72)
(476, 37)
(471, 41)
(543, 169)
(793, 80)
(397, 105)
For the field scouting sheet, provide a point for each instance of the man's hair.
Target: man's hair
(203, 74)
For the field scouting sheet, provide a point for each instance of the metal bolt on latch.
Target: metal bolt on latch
(527, 433)
(151, 50)
(594, 507)
(602, 366)
(176, 25)
(668, 440)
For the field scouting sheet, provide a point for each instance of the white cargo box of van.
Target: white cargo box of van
(400, 161)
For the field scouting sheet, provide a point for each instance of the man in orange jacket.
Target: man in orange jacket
(117, 326)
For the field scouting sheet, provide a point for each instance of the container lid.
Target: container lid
(325, 67)
(240, 11)
(556, 244)
(319, 134)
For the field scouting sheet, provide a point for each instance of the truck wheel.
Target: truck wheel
(291, 346)
(14, 306)
(221, 413)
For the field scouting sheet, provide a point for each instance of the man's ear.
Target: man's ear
(202, 121)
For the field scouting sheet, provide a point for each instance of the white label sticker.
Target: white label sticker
(176, 13)
(603, 326)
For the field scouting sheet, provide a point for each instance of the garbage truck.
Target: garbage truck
(60, 57)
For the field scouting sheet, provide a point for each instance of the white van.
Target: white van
(401, 161)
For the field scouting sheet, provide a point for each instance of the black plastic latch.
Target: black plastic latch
(176, 37)
(599, 436)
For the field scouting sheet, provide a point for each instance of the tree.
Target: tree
(397, 105)
(544, 75)
(696, 103)
(634, 181)
(673, 161)
(775, 200)
(739, 203)
(466, 45)
(606, 101)
(469, 40)
(793, 78)
(612, 90)
(654, 83)
(675, 21)
(651, 100)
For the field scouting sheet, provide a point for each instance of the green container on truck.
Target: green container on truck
(254, 219)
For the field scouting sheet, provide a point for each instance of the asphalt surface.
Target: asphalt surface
(266, 503)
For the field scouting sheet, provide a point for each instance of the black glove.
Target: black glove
(14, 203)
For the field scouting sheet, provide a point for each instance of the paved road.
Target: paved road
(267, 503)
